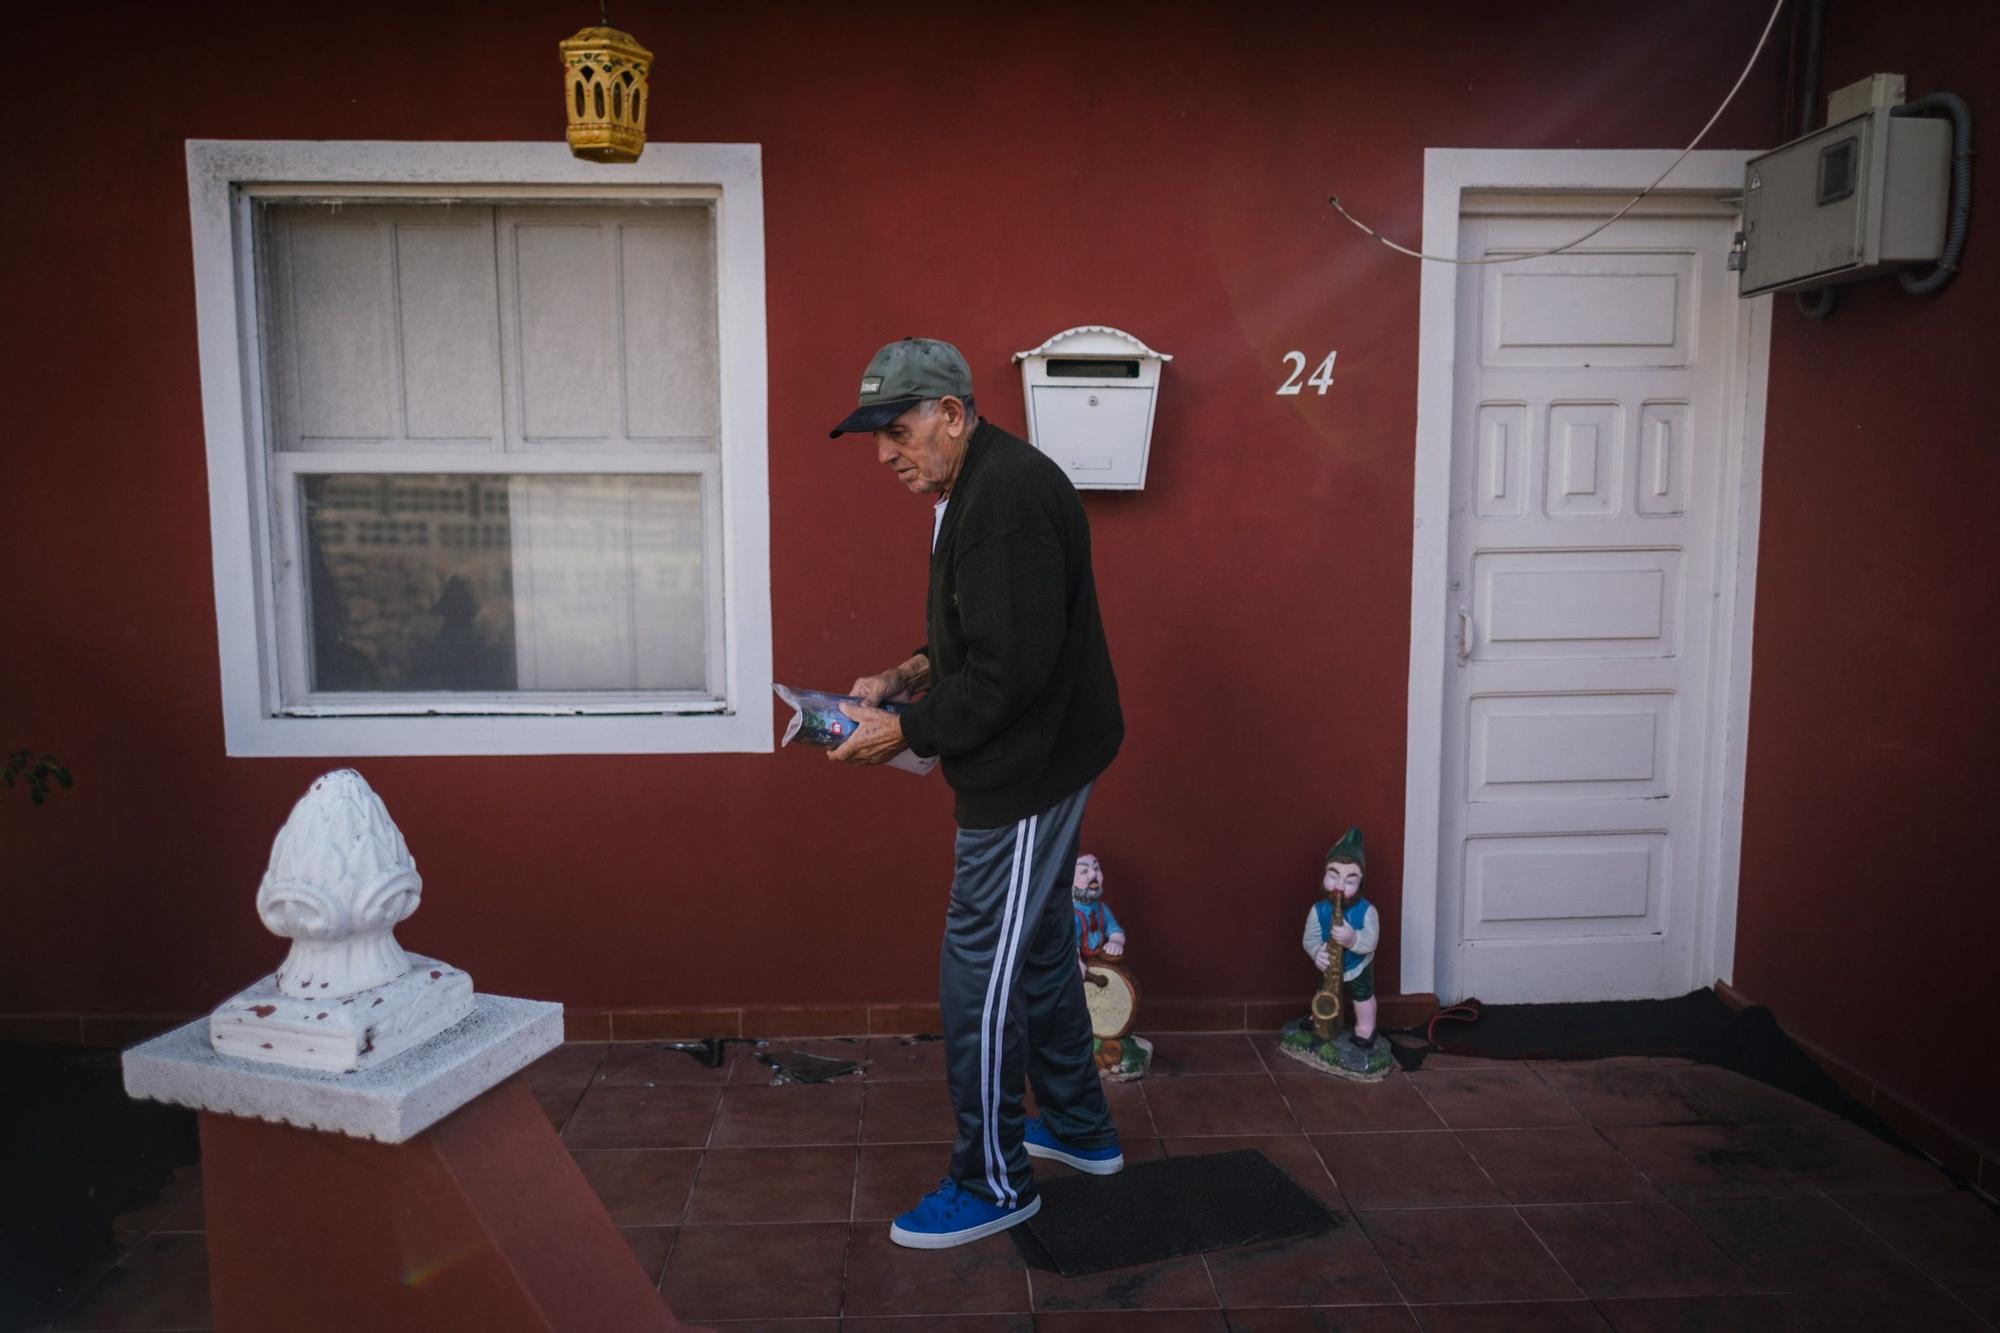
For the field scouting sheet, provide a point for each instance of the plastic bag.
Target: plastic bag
(819, 722)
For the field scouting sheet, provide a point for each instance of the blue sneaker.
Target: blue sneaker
(949, 1216)
(1107, 1161)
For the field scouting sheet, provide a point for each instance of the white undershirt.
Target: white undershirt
(937, 518)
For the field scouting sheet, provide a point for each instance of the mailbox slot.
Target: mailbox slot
(1084, 368)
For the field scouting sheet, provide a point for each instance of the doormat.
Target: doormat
(1165, 1209)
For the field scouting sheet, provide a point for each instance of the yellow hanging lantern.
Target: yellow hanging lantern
(605, 91)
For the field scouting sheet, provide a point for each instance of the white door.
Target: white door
(1587, 453)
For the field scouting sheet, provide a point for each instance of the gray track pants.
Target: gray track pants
(1013, 1002)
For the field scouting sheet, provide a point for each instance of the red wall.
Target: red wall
(1869, 819)
(990, 178)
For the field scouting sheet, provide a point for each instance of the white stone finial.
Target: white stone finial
(347, 996)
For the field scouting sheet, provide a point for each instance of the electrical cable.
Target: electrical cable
(1764, 38)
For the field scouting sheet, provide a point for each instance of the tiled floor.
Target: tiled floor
(1632, 1195)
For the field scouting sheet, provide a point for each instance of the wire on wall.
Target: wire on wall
(1630, 204)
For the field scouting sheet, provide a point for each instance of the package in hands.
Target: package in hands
(819, 722)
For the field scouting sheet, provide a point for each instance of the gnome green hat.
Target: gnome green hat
(1348, 849)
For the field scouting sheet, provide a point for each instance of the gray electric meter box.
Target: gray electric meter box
(1847, 202)
(1090, 392)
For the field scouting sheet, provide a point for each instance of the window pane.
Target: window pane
(496, 583)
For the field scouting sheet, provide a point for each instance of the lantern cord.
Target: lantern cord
(1630, 204)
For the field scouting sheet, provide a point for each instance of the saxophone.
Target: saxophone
(1326, 1000)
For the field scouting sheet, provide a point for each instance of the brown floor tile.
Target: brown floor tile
(635, 1064)
(1697, 1314)
(1327, 1105)
(1232, 1104)
(884, 1278)
(162, 1283)
(650, 1246)
(1931, 1311)
(1842, 1158)
(897, 1059)
(1492, 1099)
(1177, 1284)
(1427, 1170)
(792, 1115)
(907, 1112)
(1177, 1053)
(963, 1323)
(763, 1272)
(569, 1065)
(891, 1178)
(1746, 1100)
(1556, 1166)
(747, 1065)
(1131, 1110)
(1338, 1267)
(774, 1326)
(1614, 1250)
(174, 1192)
(1985, 1302)
(1293, 1154)
(1512, 1317)
(1705, 1161)
(642, 1118)
(1134, 1321)
(558, 1104)
(641, 1187)
(1327, 1319)
(1955, 1238)
(1803, 1244)
(1465, 1254)
(1628, 1094)
(190, 1216)
(745, 1185)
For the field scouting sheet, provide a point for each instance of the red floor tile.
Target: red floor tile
(1234, 1104)
(964, 1323)
(1293, 1154)
(1131, 1110)
(1327, 1105)
(789, 1116)
(1803, 1244)
(1425, 1170)
(1556, 1166)
(1512, 1317)
(1456, 1255)
(747, 1065)
(1954, 1238)
(1931, 1311)
(1842, 1158)
(650, 1246)
(180, 1186)
(1705, 1161)
(1177, 1284)
(891, 1177)
(884, 1278)
(917, 1111)
(569, 1065)
(1985, 1302)
(642, 1118)
(1327, 1319)
(1697, 1314)
(1134, 1321)
(1628, 1094)
(746, 1185)
(1615, 1250)
(1338, 1267)
(897, 1059)
(1745, 1100)
(162, 1283)
(1177, 1053)
(757, 1272)
(640, 1187)
(631, 1064)
(1492, 1099)
(558, 1104)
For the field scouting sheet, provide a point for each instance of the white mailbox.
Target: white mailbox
(1090, 392)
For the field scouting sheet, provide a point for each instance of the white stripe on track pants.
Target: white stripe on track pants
(1012, 1001)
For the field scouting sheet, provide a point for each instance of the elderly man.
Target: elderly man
(1015, 693)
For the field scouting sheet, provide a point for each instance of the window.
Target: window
(499, 448)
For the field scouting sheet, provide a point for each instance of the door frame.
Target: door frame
(1428, 945)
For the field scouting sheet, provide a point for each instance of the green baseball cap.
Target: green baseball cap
(902, 375)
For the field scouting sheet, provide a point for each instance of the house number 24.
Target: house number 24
(1321, 378)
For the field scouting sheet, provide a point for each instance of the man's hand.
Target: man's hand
(872, 690)
(877, 740)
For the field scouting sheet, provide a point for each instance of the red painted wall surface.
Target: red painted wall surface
(990, 177)
(1869, 819)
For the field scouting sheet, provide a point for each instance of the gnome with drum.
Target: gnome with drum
(1342, 932)
(1108, 988)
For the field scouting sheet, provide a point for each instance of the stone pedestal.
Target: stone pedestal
(481, 1222)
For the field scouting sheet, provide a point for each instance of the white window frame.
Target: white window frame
(226, 178)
